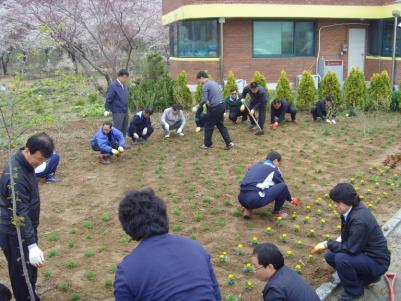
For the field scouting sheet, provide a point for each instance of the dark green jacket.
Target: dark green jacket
(232, 104)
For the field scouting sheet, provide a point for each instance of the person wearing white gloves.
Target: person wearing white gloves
(38, 148)
(108, 141)
(173, 119)
(140, 127)
(325, 110)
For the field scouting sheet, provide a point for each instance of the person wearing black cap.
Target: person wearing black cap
(212, 96)
(279, 108)
(360, 255)
(283, 283)
(325, 110)
(258, 103)
(263, 184)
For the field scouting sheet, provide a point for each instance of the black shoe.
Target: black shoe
(348, 297)
(229, 146)
(205, 147)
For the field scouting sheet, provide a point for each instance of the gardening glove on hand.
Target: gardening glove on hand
(136, 136)
(321, 246)
(194, 109)
(243, 100)
(145, 131)
(339, 239)
(106, 113)
(114, 151)
(179, 131)
(242, 108)
(252, 112)
(197, 129)
(328, 121)
(333, 121)
(167, 127)
(295, 201)
(36, 257)
(120, 149)
(225, 114)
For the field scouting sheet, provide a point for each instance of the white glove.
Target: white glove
(319, 247)
(339, 239)
(333, 121)
(136, 136)
(145, 131)
(120, 149)
(114, 151)
(179, 131)
(194, 109)
(106, 113)
(166, 126)
(225, 115)
(243, 100)
(36, 257)
(328, 121)
(252, 112)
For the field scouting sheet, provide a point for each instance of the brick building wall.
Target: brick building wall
(376, 66)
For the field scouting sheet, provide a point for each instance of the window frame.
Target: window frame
(293, 39)
(381, 39)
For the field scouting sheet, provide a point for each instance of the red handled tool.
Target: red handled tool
(391, 279)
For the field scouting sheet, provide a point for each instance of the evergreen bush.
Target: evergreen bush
(306, 91)
(260, 79)
(181, 92)
(379, 92)
(283, 90)
(330, 85)
(355, 91)
(231, 83)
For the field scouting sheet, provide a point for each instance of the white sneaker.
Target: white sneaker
(167, 136)
(181, 134)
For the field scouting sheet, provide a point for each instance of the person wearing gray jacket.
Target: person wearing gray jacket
(173, 119)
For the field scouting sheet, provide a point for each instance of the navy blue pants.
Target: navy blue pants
(252, 200)
(140, 130)
(354, 271)
(9, 245)
(215, 117)
(51, 167)
(97, 149)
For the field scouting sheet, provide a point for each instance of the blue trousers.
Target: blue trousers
(252, 200)
(51, 167)
(354, 271)
(97, 149)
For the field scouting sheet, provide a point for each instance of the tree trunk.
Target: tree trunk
(73, 57)
(5, 58)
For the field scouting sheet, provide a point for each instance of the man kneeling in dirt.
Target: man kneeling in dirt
(173, 119)
(140, 127)
(108, 141)
(163, 266)
(263, 184)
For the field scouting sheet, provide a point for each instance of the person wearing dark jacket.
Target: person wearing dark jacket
(212, 97)
(200, 117)
(325, 110)
(117, 101)
(5, 293)
(108, 141)
(38, 148)
(140, 127)
(278, 110)
(233, 104)
(283, 283)
(263, 184)
(360, 255)
(258, 103)
(163, 266)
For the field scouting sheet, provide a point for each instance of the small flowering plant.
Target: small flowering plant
(318, 212)
(289, 254)
(338, 228)
(326, 195)
(378, 200)
(284, 238)
(318, 201)
(308, 208)
(293, 216)
(298, 268)
(327, 237)
(370, 206)
(269, 231)
(306, 219)
(300, 244)
(248, 285)
(296, 228)
(239, 250)
(230, 279)
(248, 268)
(322, 222)
(311, 258)
(279, 221)
(223, 257)
(353, 180)
(311, 233)
(254, 241)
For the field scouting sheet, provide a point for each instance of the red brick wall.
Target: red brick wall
(238, 54)
(375, 66)
(169, 5)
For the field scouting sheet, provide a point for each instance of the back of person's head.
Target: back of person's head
(253, 85)
(142, 214)
(344, 193)
(122, 72)
(42, 143)
(149, 111)
(5, 293)
(177, 107)
(273, 155)
(202, 74)
(329, 98)
(268, 253)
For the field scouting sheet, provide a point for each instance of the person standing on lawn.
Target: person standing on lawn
(258, 103)
(263, 184)
(117, 101)
(140, 127)
(173, 119)
(163, 266)
(108, 141)
(360, 255)
(279, 108)
(283, 283)
(38, 148)
(233, 104)
(325, 110)
(212, 96)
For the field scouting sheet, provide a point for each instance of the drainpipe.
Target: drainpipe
(396, 14)
(221, 22)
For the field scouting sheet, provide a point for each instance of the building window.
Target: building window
(380, 38)
(195, 38)
(283, 38)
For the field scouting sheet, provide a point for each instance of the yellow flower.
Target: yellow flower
(240, 246)
(231, 276)
(279, 218)
(289, 252)
(284, 235)
(323, 220)
(248, 265)
(254, 238)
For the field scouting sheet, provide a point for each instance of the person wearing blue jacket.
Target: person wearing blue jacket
(140, 127)
(258, 103)
(108, 141)
(117, 101)
(263, 184)
(283, 283)
(163, 267)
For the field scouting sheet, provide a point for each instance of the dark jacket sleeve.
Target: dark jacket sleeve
(284, 108)
(272, 113)
(121, 289)
(356, 241)
(321, 110)
(245, 92)
(274, 294)
(216, 287)
(278, 178)
(23, 195)
(133, 125)
(262, 98)
(109, 97)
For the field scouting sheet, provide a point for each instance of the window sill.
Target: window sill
(195, 59)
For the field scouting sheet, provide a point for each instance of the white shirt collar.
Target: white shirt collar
(346, 213)
(120, 83)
